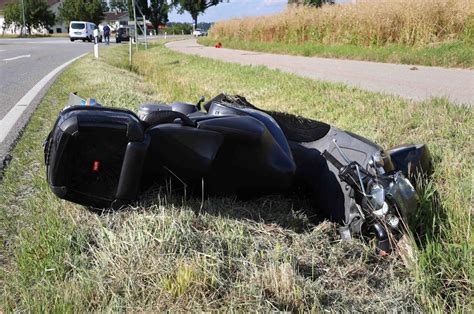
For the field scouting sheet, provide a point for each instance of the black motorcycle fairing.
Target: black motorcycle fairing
(314, 178)
(186, 151)
(238, 150)
(266, 119)
(246, 171)
(132, 169)
(239, 127)
(344, 209)
(251, 157)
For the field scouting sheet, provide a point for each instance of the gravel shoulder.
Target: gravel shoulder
(408, 81)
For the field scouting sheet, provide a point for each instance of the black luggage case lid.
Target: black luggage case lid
(85, 151)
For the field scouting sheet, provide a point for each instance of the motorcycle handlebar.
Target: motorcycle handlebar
(347, 173)
(329, 157)
(167, 116)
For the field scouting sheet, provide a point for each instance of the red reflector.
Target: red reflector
(96, 166)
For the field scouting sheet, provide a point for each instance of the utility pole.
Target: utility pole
(130, 54)
(136, 24)
(146, 29)
(24, 22)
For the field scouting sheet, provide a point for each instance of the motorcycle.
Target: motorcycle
(103, 157)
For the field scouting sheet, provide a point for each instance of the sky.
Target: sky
(233, 9)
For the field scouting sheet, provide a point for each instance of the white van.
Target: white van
(83, 31)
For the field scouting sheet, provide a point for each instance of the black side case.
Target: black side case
(94, 156)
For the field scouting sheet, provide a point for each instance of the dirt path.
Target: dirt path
(414, 82)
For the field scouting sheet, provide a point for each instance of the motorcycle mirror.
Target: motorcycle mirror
(198, 105)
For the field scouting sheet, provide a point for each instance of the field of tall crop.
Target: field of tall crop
(366, 23)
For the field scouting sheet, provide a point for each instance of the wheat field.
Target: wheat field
(366, 23)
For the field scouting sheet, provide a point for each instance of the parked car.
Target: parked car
(122, 34)
(83, 31)
(199, 32)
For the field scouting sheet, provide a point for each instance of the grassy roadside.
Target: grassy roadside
(260, 255)
(454, 54)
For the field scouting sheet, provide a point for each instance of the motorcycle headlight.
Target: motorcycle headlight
(377, 196)
(377, 200)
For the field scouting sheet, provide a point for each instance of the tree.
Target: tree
(314, 3)
(130, 9)
(158, 13)
(13, 15)
(179, 28)
(143, 5)
(105, 7)
(81, 10)
(37, 15)
(195, 7)
(139, 4)
(119, 5)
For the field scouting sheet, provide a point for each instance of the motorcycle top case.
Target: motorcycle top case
(94, 156)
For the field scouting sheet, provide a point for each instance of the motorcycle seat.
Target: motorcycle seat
(295, 128)
(299, 129)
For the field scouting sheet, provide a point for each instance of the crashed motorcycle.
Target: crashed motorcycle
(105, 157)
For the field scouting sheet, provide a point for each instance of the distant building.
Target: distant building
(58, 27)
(113, 19)
(53, 6)
(116, 19)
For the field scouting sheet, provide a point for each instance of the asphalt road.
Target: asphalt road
(23, 63)
(413, 82)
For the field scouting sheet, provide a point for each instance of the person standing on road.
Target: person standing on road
(107, 34)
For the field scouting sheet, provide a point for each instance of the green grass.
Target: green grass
(453, 54)
(256, 255)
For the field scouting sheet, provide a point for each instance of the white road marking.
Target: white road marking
(19, 57)
(9, 120)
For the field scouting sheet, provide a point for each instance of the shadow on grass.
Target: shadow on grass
(284, 211)
(426, 224)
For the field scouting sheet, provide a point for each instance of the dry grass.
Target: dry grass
(367, 23)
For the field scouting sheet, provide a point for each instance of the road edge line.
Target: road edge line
(12, 116)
